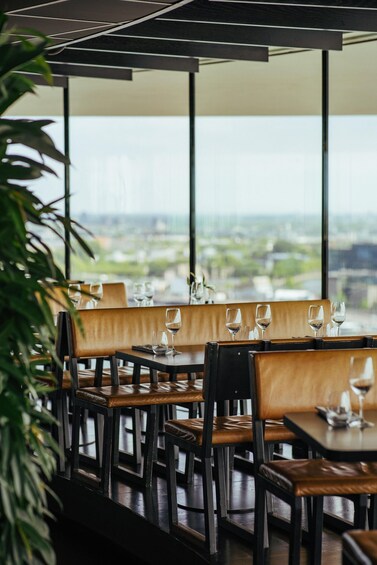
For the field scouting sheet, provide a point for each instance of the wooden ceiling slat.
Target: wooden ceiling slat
(60, 81)
(335, 19)
(68, 70)
(367, 4)
(121, 60)
(237, 34)
(181, 48)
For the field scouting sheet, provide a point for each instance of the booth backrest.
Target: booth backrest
(109, 330)
(298, 381)
(289, 318)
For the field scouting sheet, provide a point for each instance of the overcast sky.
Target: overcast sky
(245, 165)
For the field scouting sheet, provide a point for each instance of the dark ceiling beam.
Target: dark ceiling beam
(237, 34)
(367, 4)
(60, 81)
(179, 48)
(121, 60)
(334, 19)
(90, 72)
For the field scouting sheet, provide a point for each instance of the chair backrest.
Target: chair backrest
(289, 318)
(298, 381)
(226, 379)
(344, 342)
(290, 344)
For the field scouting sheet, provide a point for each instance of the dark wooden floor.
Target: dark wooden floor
(131, 526)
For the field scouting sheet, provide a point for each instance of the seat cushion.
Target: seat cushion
(361, 546)
(311, 477)
(226, 430)
(143, 395)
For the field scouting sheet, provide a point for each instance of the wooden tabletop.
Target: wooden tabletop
(337, 444)
(189, 360)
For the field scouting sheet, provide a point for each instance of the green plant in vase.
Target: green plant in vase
(27, 276)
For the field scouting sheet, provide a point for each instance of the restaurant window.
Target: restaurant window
(352, 193)
(47, 103)
(259, 178)
(130, 183)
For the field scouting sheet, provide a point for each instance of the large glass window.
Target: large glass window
(47, 104)
(353, 173)
(130, 189)
(259, 179)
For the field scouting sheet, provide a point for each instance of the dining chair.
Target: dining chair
(297, 381)
(359, 547)
(226, 380)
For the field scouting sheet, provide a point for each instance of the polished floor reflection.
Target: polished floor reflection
(136, 519)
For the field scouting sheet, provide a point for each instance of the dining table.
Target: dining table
(346, 444)
(190, 359)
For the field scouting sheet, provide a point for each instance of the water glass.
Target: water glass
(160, 342)
(263, 317)
(96, 290)
(139, 293)
(339, 410)
(338, 314)
(149, 291)
(315, 318)
(74, 293)
(233, 321)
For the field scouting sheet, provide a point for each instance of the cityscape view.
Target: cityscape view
(258, 220)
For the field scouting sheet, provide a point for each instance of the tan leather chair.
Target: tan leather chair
(226, 379)
(360, 548)
(106, 331)
(293, 381)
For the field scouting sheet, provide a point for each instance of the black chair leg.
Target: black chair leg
(171, 480)
(372, 512)
(209, 510)
(106, 452)
(361, 509)
(75, 437)
(259, 522)
(315, 530)
(295, 531)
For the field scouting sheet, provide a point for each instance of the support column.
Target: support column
(325, 174)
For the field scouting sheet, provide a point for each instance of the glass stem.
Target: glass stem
(172, 343)
(361, 407)
(337, 330)
(233, 337)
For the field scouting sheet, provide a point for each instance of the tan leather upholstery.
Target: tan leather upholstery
(317, 477)
(289, 318)
(143, 395)
(360, 546)
(109, 330)
(226, 430)
(279, 374)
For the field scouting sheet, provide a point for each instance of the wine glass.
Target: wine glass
(96, 290)
(315, 318)
(149, 293)
(233, 321)
(263, 317)
(361, 380)
(173, 325)
(139, 293)
(74, 293)
(338, 314)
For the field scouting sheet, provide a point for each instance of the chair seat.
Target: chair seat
(143, 394)
(361, 546)
(226, 430)
(319, 477)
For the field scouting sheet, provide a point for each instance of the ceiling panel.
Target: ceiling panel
(113, 11)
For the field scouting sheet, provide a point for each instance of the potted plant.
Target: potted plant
(27, 275)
